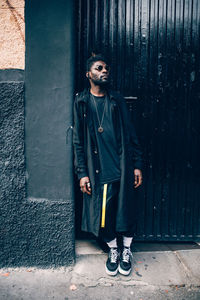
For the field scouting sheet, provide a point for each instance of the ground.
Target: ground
(160, 271)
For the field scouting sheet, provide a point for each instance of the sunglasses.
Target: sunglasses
(100, 68)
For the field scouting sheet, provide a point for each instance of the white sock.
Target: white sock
(112, 244)
(127, 241)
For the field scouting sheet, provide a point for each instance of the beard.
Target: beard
(104, 82)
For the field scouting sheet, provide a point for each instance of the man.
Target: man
(108, 164)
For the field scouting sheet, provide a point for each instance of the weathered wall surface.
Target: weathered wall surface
(12, 28)
(13, 241)
(12, 174)
(36, 216)
(48, 117)
(31, 232)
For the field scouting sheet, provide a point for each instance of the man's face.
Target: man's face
(99, 73)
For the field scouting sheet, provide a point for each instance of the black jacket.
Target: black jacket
(87, 161)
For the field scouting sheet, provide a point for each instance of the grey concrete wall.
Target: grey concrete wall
(32, 232)
(49, 88)
(12, 172)
(36, 199)
(49, 96)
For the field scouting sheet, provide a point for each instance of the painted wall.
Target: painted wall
(12, 174)
(36, 198)
(13, 238)
(48, 117)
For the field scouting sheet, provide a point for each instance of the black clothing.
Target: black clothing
(106, 140)
(108, 233)
(87, 161)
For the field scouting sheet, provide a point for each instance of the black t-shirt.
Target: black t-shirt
(106, 140)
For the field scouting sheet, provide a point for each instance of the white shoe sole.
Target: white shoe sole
(123, 272)
(111, 273)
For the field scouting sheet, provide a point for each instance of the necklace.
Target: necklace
(100, 128)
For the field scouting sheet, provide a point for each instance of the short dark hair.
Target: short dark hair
(94, 58)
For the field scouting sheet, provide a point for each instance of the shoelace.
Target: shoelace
(126, 255)
(113, 255)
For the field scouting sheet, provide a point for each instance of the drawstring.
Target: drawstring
(104, 205)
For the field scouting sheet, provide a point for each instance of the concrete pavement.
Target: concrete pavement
(160, 271)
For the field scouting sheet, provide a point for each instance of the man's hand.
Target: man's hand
(85, 185)
(137, 177)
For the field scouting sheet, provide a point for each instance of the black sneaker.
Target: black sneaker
(125, 261)
(112, 262)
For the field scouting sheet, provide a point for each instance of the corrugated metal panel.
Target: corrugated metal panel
(154, 50)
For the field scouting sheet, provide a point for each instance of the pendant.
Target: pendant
(100, 129)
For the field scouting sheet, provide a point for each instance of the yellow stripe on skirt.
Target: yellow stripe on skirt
(104, 205)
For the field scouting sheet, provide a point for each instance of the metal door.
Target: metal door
(154, 50)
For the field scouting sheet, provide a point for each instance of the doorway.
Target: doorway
(153, 48)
